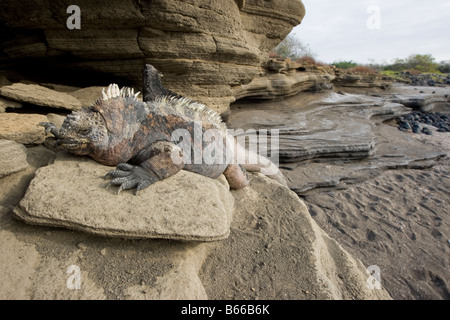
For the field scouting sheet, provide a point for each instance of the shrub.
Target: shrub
(307, 59)
(419, 62)
(345, 64)
(362, 70)
(274, 55)
(292, 47)
(413, 72)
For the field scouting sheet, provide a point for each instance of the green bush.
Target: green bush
(420, 62)
(345, 64)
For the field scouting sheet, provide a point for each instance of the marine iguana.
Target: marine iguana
(138, 137)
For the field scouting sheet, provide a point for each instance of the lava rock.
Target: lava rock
(412, 122)
(427, 131)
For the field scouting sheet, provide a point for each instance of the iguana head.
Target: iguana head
(99, 130)
(83, 132)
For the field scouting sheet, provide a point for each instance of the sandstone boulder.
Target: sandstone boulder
(22, 128)
(186, 206)
(41, 96)
(13, 157)
(279, 252)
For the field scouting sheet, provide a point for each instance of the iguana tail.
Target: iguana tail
(245, 160)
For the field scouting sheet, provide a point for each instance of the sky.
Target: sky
(367, 31)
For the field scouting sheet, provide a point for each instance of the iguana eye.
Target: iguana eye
(85, 132)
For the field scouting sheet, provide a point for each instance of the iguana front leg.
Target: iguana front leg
(157, 167)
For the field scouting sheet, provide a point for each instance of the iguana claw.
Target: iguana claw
(50, 127)
(128, 176)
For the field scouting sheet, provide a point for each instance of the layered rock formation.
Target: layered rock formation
(329, 140)
(284, 78)
(203, 48)
(424, 99)
(361, 83)
(273, 240)
(318, 129)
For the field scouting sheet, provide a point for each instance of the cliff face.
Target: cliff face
(204, 48)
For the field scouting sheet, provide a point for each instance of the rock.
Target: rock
(13, 157)
(427, 131)
(4, 103)
(180, 282)
(360, 83)
(412, 120)
(41, 96)
(424, 101)
(332, 140)
(277, 250)
(404, 126)
(22, 128)
(300, 257)
(87, 96)
(312, 126)
(169, 209)
(393, 151)
(18, 261)
(100, 43)
(273, 86)
(204, 49)
(60, 87)
(109, 268)
(4, 81)
(56, 119)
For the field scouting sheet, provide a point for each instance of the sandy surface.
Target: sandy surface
(398, 221)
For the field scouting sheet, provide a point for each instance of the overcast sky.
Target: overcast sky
(361, 30)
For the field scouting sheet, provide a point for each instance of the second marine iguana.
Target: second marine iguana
(138, 137)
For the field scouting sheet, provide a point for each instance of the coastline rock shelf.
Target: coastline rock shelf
(335, 126)
(330, 140)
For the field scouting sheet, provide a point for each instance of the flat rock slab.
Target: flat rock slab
(5, 103)
(41, 96)
(22, 128)
(13, 157)
(71, 193)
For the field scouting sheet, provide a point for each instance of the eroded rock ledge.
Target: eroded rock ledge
(203, 48)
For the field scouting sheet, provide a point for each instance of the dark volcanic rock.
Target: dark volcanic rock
(411, 121)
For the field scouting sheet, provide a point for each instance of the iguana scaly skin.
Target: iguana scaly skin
(137, 137)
